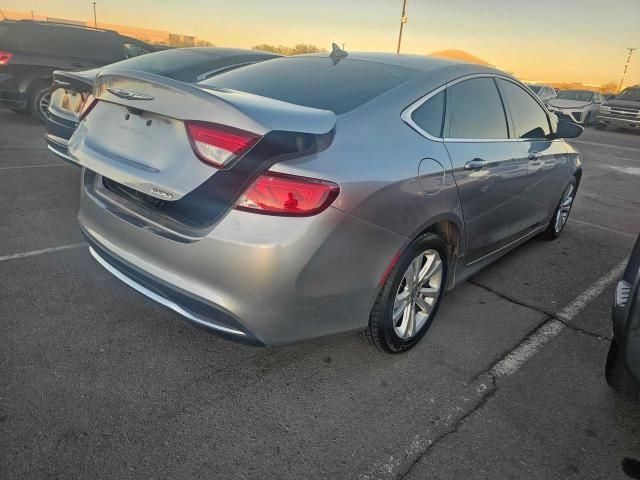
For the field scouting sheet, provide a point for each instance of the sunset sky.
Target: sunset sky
(549, 40)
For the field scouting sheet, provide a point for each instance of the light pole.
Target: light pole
(95, 18)
(403, 20)
(626, 66)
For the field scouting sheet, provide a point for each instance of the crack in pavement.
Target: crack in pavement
(507, 365)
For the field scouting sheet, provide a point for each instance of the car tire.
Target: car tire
(562, 211)
(617, 375)
(400, 334)
(39, 98)
(601, 126)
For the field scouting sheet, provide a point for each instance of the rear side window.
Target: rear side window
(316, 82)
(528, 116)
(475, 111)
(162, 62)
(430, 115)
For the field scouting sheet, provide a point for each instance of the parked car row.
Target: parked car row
(586, 107)
(30, 51)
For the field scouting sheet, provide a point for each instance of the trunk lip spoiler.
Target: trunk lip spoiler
(243, 110)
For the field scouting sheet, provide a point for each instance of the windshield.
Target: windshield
(579, 95)
(632, 94)
(162, 62)
(316, 82)
(535, 88)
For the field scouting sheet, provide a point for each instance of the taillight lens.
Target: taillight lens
(5, 57)
(289, 195)
(87, 104)
(218, 145)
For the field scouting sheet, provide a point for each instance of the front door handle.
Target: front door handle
(535, 156)
(475, 164)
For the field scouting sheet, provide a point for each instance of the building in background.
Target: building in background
(158, 37)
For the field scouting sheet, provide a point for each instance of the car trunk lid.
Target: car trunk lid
(135, 134)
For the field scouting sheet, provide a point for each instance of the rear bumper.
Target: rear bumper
(276, 280)
(197, 311)
(58, 133)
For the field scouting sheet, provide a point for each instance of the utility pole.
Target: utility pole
(403, 20)
(95, 18)
(32, 16)
(626, 66)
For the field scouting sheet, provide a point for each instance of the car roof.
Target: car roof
(424, 63)
(37, 23)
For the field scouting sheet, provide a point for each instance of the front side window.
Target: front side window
(430, 115)
(530, 119)
(475, 111)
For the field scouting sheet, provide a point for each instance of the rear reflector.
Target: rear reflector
(288, 195)
(218, 145)
(5, 57)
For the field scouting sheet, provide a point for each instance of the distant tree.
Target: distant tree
(204, 43)
(284, 50)
(609, 87)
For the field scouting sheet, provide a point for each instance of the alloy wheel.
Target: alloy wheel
(562, 215)
(44, 104)
(418, 294)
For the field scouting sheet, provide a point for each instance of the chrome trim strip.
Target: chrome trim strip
(405, 115)
(530, 234)
(163, 301)
(61, 155)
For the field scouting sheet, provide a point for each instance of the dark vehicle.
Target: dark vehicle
(623, 362)
(190, 65)
(30, 52)
(622, 112)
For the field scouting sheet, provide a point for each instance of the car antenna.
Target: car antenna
(337, 53)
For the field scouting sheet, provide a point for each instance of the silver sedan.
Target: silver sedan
(317, 194)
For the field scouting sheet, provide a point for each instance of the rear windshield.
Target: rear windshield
(316, 82)
(164, 61)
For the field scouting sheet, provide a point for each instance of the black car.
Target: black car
(623, 111)
(70, 89)
(30, 51)
(623, 362)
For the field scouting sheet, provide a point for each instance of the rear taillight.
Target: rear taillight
(218, 145)
(87, 104)
(289, 195)
(5, 57)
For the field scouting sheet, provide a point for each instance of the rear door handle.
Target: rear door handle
(475, 164)
(535, 156)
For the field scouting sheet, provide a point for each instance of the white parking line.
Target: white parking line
(36, 166)
(600, 227)
(504, 368)
(41, 252)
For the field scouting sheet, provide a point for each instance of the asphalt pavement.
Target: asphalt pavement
(96, 381)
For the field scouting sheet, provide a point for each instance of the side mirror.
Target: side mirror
(568, 130)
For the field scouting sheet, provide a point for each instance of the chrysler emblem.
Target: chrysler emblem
(129, 95)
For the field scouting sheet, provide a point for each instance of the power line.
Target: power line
(95, 18)
(626, 66)
(403, 20)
